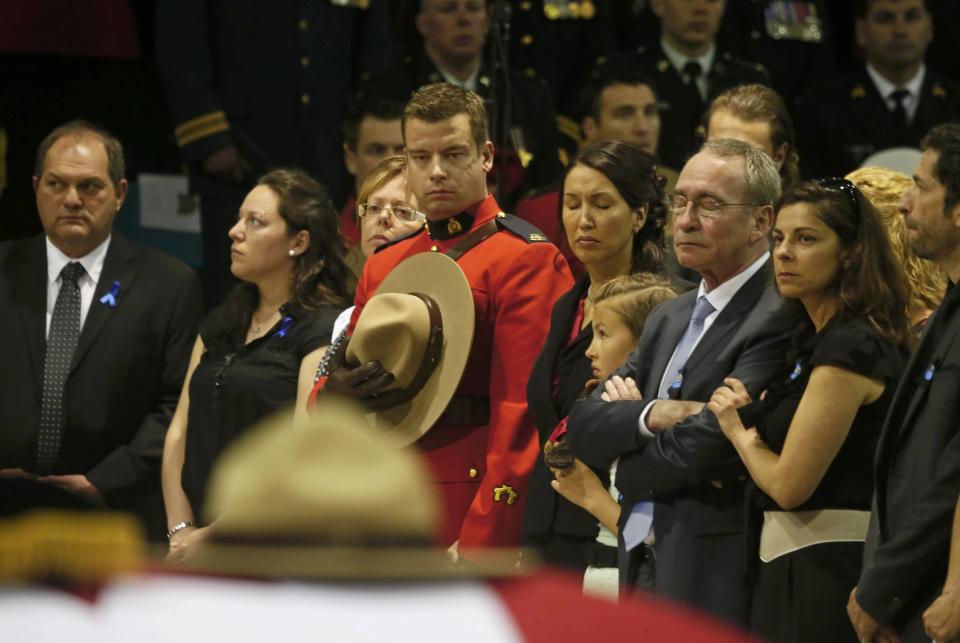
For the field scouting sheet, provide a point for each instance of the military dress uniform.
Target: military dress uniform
(679, 114)
(269, 77)
(482, 450)
(532, 158)
(847, 120)
(793, 40)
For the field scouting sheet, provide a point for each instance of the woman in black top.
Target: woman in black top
(613, 214)
(258, 351)
(809, 443)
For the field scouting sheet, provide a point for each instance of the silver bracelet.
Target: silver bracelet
(180, 526)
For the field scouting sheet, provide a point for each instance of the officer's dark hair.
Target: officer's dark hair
(633, 172)
(870, 283)
(861, 7)
(592, 93)
(320, 275)
(944, 139)
(755, 102)
(440, 101)
(116, 166)
(363, 107)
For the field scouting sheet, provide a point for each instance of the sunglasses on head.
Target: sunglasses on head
(848, 188)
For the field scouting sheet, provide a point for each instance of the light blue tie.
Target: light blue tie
(638, 525)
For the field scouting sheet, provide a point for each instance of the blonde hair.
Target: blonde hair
(926, 282)
(633, 297)
(382, 173)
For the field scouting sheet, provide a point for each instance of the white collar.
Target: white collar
(678, 59)
(720, 296)
(885, 87)
(92, 262)
(469, 84)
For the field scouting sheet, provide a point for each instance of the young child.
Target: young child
(620, 308)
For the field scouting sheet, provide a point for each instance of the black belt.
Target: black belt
(467, 411)
(600, 555)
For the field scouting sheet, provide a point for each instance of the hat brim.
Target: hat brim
(439, 277)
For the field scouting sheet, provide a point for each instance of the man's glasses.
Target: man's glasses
(705, 206)
(399, 212)
(848, 188)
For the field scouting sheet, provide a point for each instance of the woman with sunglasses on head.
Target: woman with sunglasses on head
(257, 352)
(808, 444)
(613, 213)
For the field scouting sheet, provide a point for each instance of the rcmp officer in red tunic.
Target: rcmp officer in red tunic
(483, 448)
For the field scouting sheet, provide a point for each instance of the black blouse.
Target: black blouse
(853, 346)
(236, 384)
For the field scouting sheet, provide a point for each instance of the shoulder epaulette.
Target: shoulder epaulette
(520, 228)
(397, 240)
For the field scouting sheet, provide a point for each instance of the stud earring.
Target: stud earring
(292, 252)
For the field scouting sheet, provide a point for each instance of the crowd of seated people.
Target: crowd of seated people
(702, 363)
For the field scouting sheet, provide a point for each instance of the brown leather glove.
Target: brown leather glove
(366, 383)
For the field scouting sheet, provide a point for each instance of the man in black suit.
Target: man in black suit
(670, 448)
(918, 456)
(95, 334)
(687, 69)
(891, 101)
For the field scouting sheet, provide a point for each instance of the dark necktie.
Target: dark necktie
(61, 343)
(900, 110)
(691, 74)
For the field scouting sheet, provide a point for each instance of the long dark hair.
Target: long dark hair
(320, 275)
(870, 284)
(633, 173)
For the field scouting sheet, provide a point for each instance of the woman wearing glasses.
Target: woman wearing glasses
(612, 210)
(256, 352)
(386, 210)
(808, 443)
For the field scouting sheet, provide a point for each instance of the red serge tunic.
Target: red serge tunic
(483, 469)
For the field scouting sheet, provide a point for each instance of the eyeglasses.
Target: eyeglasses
(705, 206)
(848, 188)
(399, 212)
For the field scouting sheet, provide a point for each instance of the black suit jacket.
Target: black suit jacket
(127, 370)
(844, 122)
(699, 529)
(546, 511)
(917, 484)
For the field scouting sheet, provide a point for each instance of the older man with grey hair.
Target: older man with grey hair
(678, 476)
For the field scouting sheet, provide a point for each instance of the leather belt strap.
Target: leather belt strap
(600, 555)
(480, 234)
(784, 532)
(467, 411)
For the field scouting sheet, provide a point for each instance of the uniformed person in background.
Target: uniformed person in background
(371, 133)
(260, 84)
(688, 69)
(454, 33)
(618, 106)
(891, 101)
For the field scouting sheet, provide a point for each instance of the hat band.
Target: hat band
(431, 354)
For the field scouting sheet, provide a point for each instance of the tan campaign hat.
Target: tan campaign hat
(323, 497)
(419, 325)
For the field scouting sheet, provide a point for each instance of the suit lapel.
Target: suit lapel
(29, 285)
(120, 266)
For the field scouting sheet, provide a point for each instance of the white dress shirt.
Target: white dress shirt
(913, 86)
(93, 265)
(678, 60)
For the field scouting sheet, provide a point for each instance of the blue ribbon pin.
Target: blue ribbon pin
(797, 370)
(928, 374)
(285, 325)
(110, 299)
